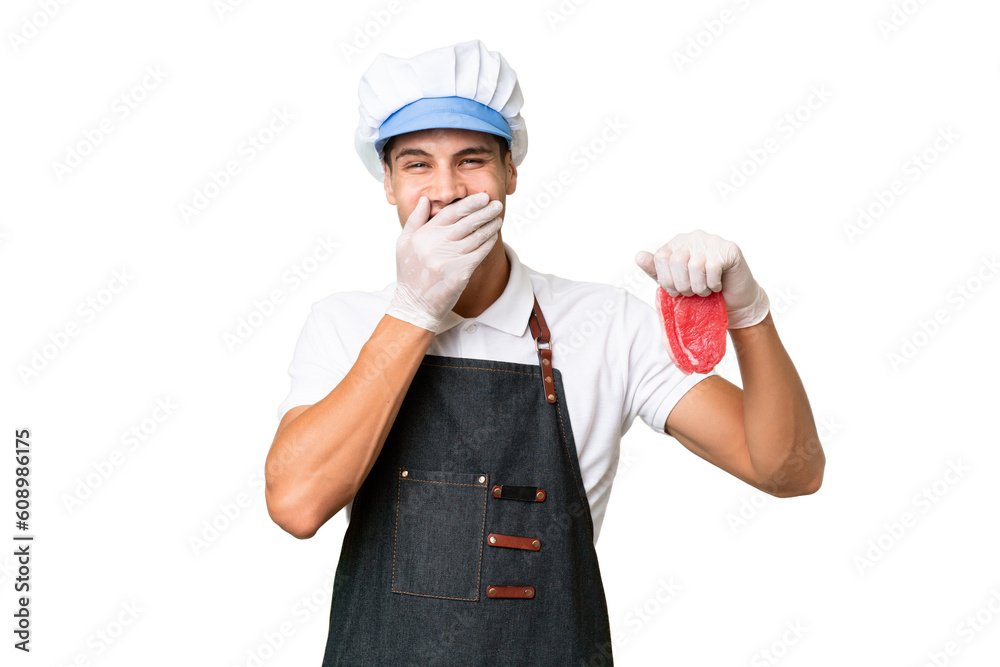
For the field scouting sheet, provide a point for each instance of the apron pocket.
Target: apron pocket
(440, 522)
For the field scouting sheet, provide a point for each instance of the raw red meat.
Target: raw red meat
(694, 329)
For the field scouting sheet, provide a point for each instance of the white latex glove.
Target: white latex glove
(701, 263)
(436, 258)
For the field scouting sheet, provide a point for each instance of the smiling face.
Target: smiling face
(446, 165)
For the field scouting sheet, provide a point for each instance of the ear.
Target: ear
(511, 174)
(390, 196)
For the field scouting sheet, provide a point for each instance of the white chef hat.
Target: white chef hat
(462, 86)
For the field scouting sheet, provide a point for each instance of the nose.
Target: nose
(446, 186)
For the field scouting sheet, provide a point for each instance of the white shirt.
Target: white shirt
(606, 343)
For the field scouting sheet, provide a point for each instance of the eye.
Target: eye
(415, 164)
(474, 160)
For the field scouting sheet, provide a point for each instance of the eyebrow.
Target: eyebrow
(471, 150)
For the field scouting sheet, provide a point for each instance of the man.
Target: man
(473, 451)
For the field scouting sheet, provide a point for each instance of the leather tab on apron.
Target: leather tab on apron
(509, 492)
(544, 348)
(524, 592)
(514, 542)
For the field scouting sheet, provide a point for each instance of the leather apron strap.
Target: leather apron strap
(540, 332)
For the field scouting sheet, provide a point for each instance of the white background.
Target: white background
(745, 567)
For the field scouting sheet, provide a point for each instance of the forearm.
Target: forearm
(781, 437)
(319, 460)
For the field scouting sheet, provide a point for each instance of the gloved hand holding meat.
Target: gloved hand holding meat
(705, 288)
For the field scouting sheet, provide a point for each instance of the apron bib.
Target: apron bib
(471, 541)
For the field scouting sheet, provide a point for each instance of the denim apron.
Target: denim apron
(471, 541)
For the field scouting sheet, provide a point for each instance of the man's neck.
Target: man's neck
(487, 283)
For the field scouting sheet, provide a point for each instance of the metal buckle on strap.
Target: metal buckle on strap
(543, 348)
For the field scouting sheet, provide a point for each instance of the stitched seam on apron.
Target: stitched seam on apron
(479, 570)
(395, 534)
(432, 481)
(479, 368)
(566, 445)
(438, 597)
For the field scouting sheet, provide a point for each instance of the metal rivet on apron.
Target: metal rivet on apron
(491, 592)
(545, 362)
(493, 540)
(540, 495)
(548, 379)
(527, 592)
(496, 491)
(482, 478)
(552, 397)
(536, 544)
(405, 473)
